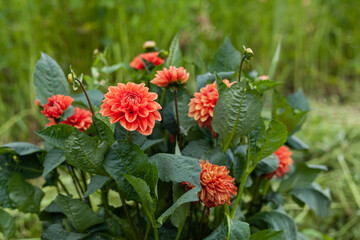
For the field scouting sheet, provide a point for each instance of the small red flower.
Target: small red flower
(152, 57)
(133, 106)
(203, 103)
(56, 106)
(170, 76)
(285, 161)
(217, 185)
(81, 119)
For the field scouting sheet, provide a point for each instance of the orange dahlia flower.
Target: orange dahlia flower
(56, 106)
(171, 76)
(152, 57)
(217, 185)
(203, 103)
(81, 119)
(133, 106)
(285, 161)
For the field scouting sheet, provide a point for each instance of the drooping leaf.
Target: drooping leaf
(177, 168)
(56, 134)
(26, 197)
(277, 221)
(174, 58)
(78, 212)
(291, 111)
(303, 176)
(125, 157)
(23, 148)
(267, 234)
(49, 79)
(53, 159)
(56, 231)
(236, 113)
(96, 183)
(318, 200)
(84, 152)
(7, 224)
(226, 58)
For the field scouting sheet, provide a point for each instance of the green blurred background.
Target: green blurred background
(320, 53)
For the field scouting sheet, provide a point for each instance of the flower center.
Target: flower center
(133, 99)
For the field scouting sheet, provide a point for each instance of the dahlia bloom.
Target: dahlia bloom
(285, 161)
(171, 76)
(133, 106)
(216, 183)
(56, 106)
(81, 119)
(203, 103)
(152, 57)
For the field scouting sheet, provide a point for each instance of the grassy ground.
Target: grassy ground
(333, 133)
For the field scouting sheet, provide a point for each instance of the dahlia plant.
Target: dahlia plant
(166, 154)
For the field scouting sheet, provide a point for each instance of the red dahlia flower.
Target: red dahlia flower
(170, 76)
(152, 57)
(133, 106)
(81, 119)
(285, 161)
(203, 103)
(217, 185)
(56, 106)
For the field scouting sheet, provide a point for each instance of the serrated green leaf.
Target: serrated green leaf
(267, 234)
(177, 168)
(125, 157)
(26, 197)
(28, 165)
(277, 221)
(56, 134)
(103, 130)
(318, 200)
(95, 184)
(7, 224)
(303, 176)
(78, 212)
(174, 58)
(226, 58)
(53, 159)
(49, 79)
(57, 232)
(84, 152)
(23, 148)
(237, 113)
(201, 149)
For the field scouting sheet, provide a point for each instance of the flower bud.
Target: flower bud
(149, 44)
(96, 51)
(70, 78)
(248, 53)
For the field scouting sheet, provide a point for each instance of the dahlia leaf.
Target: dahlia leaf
(206, 78)
(56, 231)
(22, 148)
(7, 224)
(267, 165)
(26, 197)
(95, 184)
(226, 58)
(5, 177)
(95, 96)
(49, 79)
(150, 142)
(296, 143)
(84, 152)
(267, 234)
(277, 221)
(125, 157)
(237, 113)
(234, 229)
(174, 58)
(291, 111)
(53, 159)
(220, 85)
(178, 217)
(303, 176)
(103, 130)
(318, 200)
(78, 212)
(56, 134)
(177, 168)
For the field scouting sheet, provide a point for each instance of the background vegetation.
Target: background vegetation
(320, 53)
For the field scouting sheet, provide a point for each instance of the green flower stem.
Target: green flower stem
(156, 234)
(255, 193)
(162, 96)
(241, 64)
(177, 120)
(74, 181)
(139, 220)
(83, 177)
(191, 213)
(87, 97)
(148, 227)
(180, 230)
(63, 186)
(127, 213)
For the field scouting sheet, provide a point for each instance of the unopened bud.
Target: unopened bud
(96, 51)
(70, 78)
(248, 53)
(149, 44)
